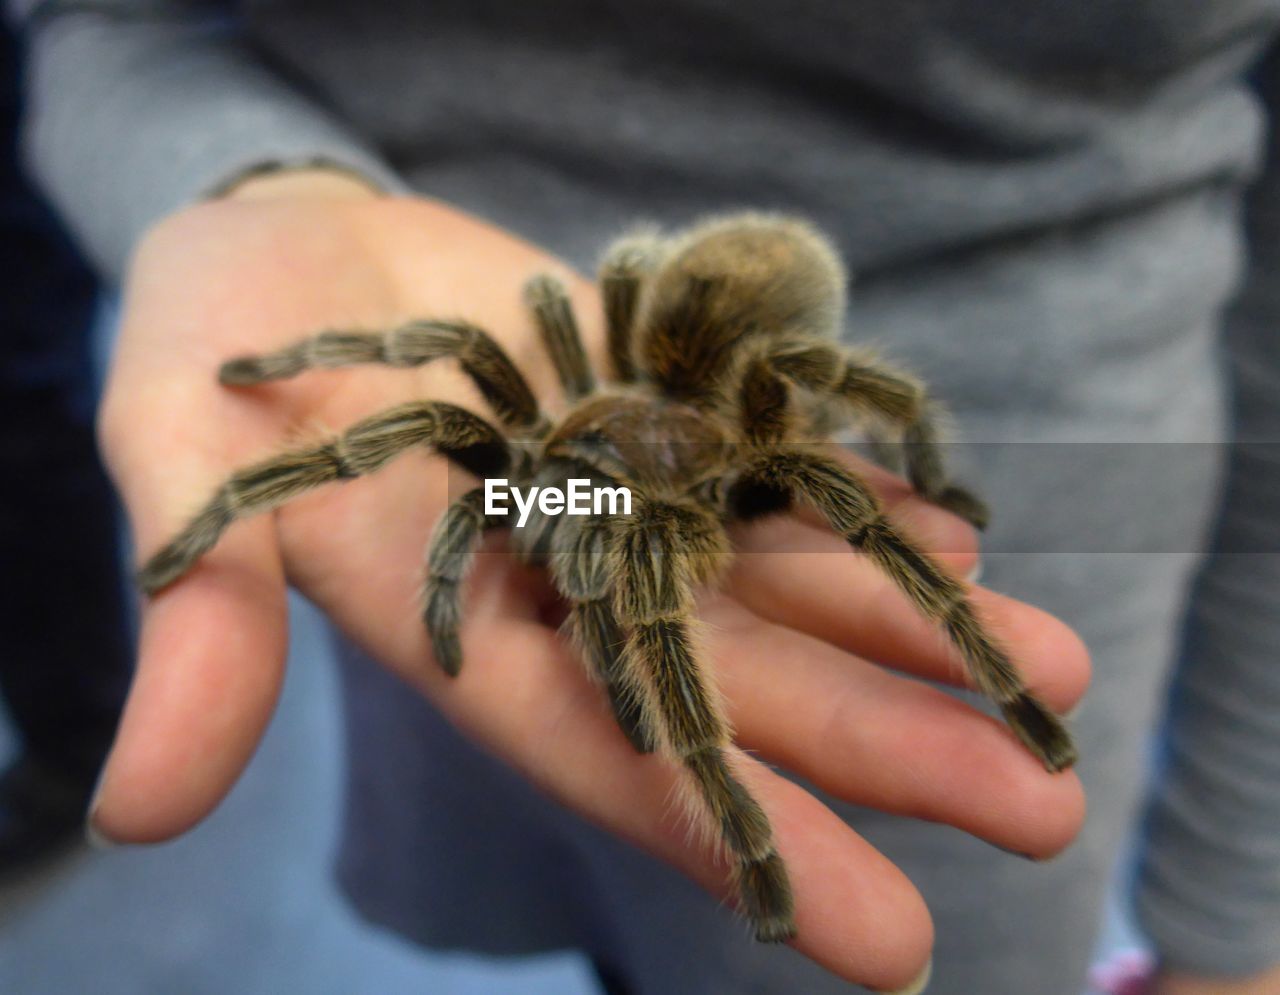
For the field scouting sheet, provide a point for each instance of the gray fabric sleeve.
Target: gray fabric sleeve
(138, 108)
(1208, 885)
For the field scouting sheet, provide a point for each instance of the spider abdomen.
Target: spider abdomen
(729, 281)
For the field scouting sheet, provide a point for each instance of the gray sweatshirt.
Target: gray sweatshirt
(1042, 202)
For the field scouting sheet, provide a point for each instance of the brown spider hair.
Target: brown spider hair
(726, 373)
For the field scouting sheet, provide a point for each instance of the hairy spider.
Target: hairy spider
(723, 342)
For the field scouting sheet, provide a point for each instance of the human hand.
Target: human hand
(790, 638)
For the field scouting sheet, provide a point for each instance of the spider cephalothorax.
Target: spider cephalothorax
(727, 378)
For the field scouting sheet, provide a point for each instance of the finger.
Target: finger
(524, 697)
(211, 649)
(211, 660)
(808, 579)
(873, 738)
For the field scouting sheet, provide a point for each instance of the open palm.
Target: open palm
(805, 640)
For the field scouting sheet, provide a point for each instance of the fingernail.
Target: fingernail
(93, 835)
(920, 983)
(96, 838)
(1017, 853)
(974, 575)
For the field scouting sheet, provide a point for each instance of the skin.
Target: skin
(814, 649)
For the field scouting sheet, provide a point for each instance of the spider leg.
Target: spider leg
(412, 344)
(627, 264)
(449, 558)
(574, 549)
(553, 314)
(854, 513)
(871, 385)
(928, 475)
(657, 557)
(465, 438)
(578, 565)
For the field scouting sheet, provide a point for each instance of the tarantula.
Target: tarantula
(726, 371)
